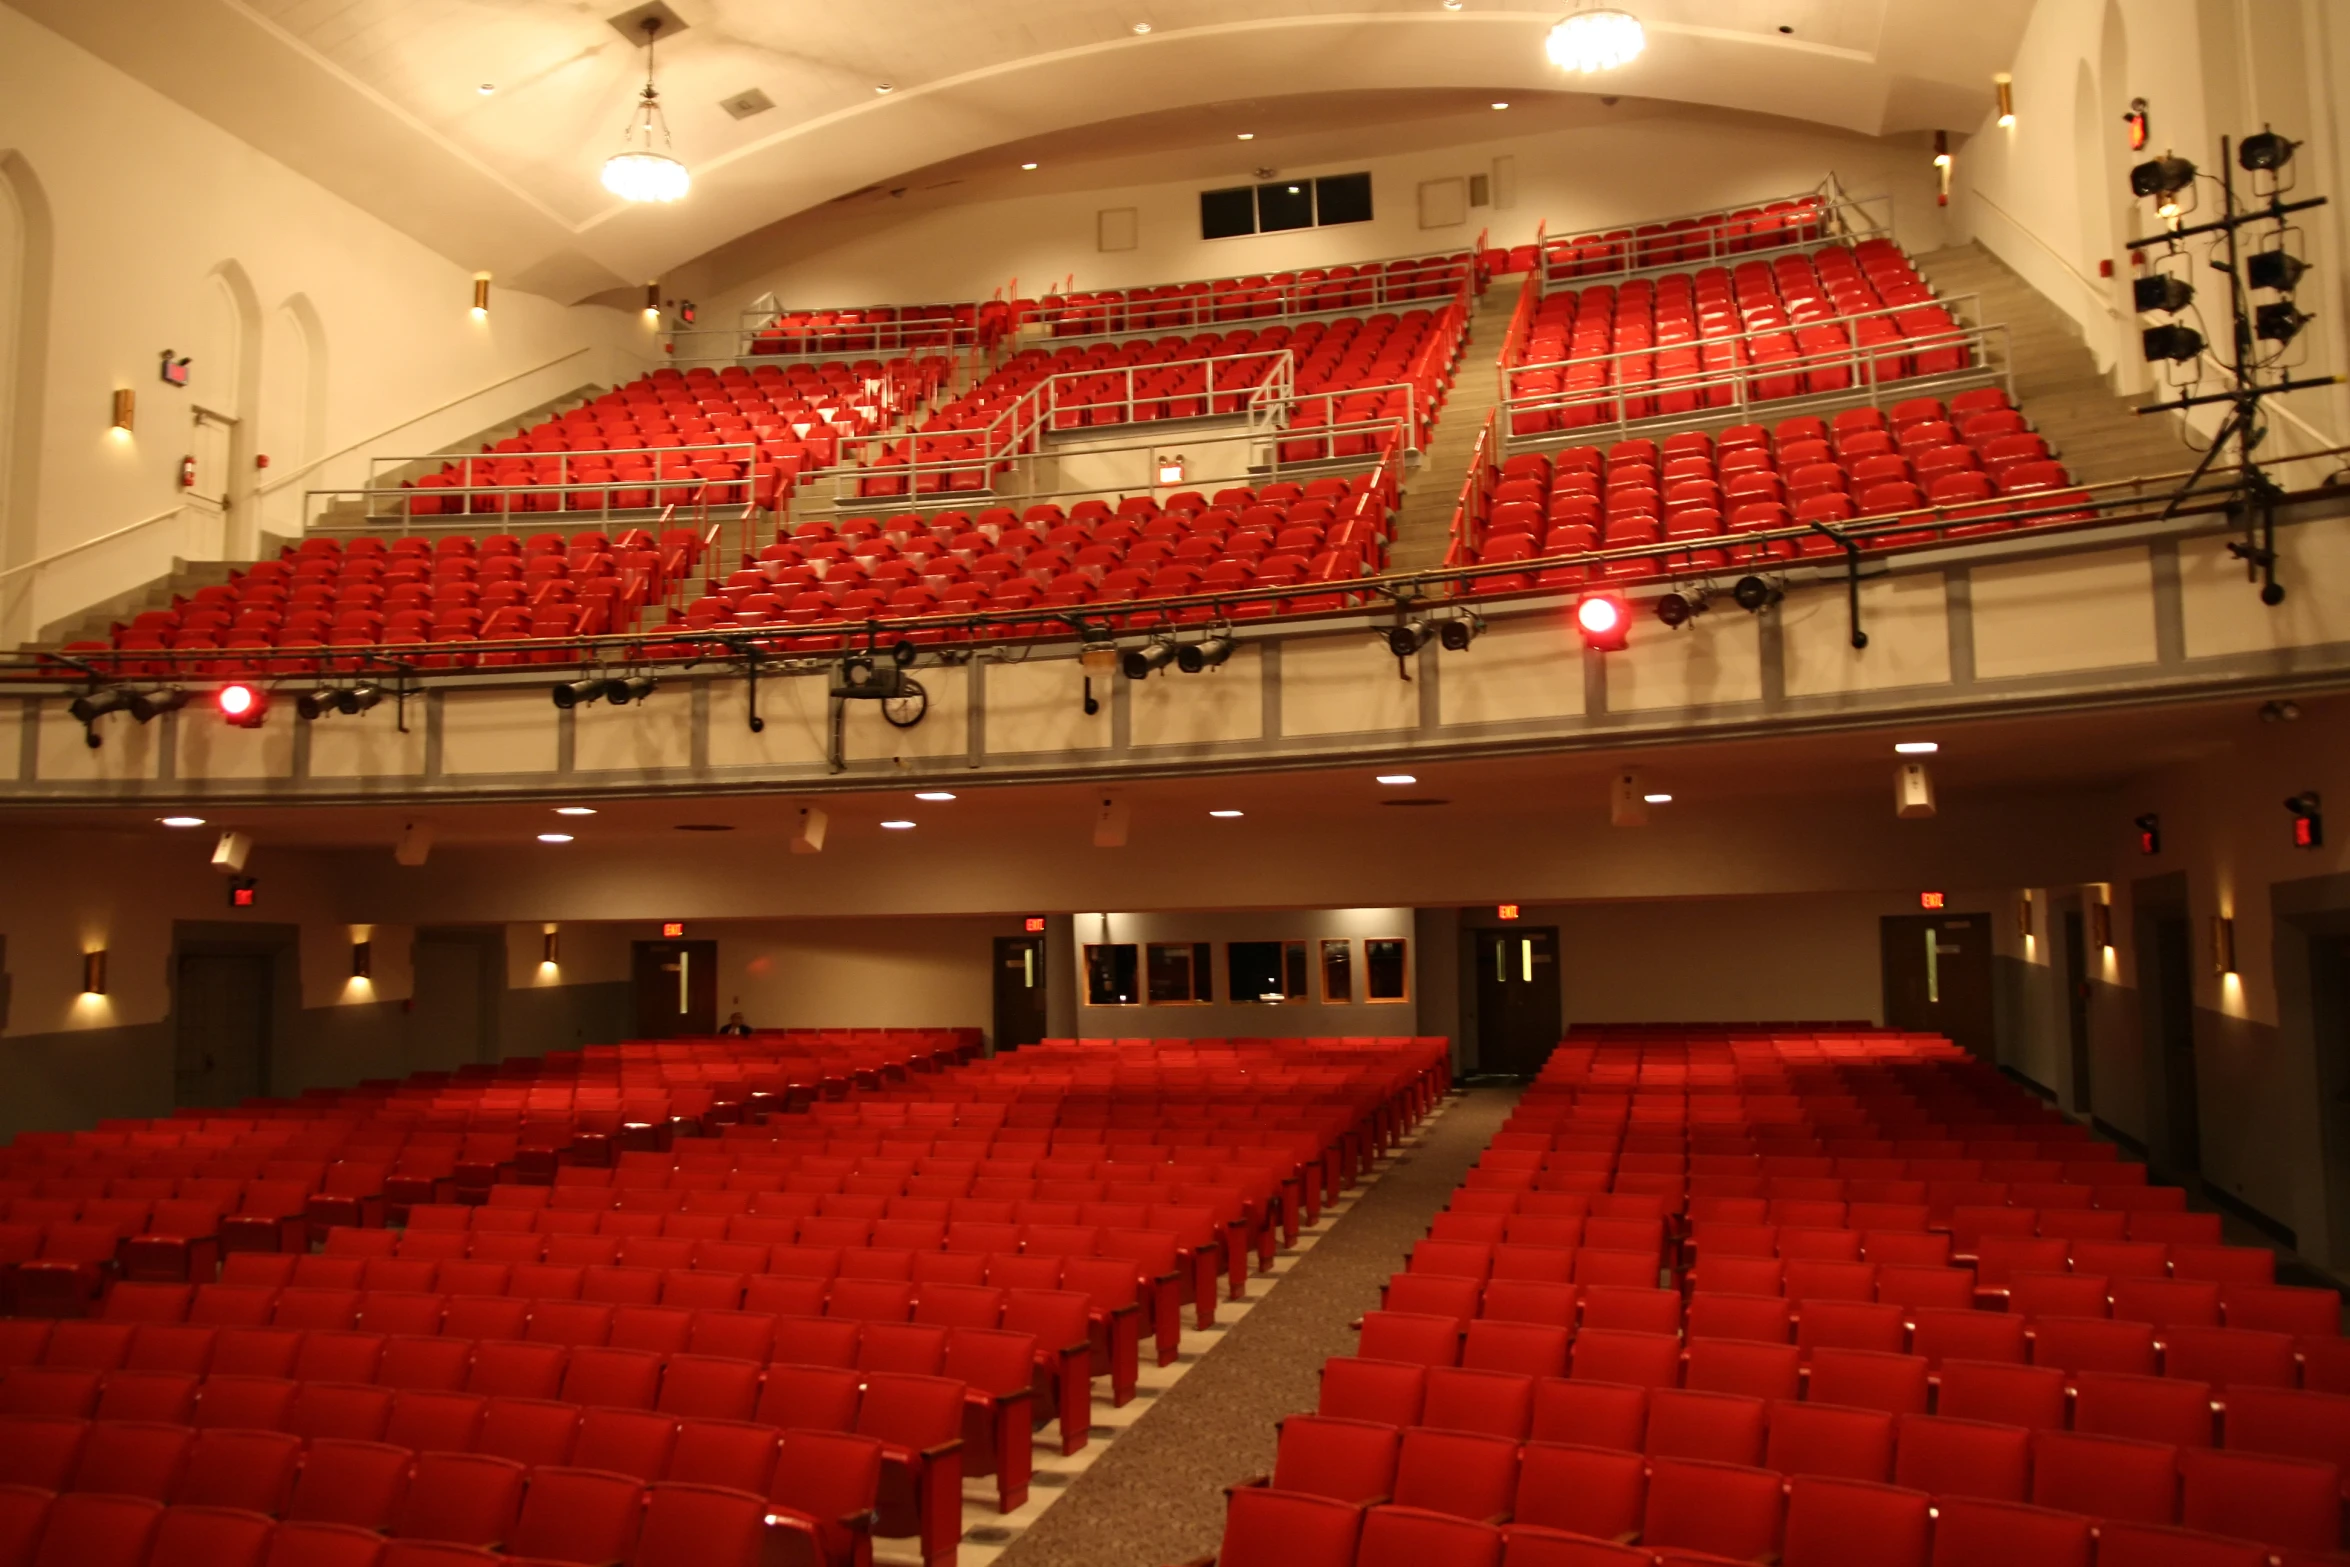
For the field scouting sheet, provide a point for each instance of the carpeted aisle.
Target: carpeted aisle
(1157, 1495)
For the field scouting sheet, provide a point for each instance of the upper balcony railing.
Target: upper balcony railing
(1716, 238)
(1207, 304)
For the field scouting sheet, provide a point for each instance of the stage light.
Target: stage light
(1207, 653)
(1754, 595)
(2274, 270)
(1454, 636)
(2279, 321)
(1678, 609)
(148, 706)
(1140, 663)
(314, 705)
(2172, 342)
(573, 693)
(2161, 292)
(243, 705)
(1604, 620)
(91, 706)
(2265, 152)
(1405, 640)
(329, 699)
(635, 688)
(2165, 176)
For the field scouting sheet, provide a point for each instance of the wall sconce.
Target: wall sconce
(481, 295)
(2101, 925)
(2023, 916)
(362, 959)
(550, 945)
(94, 973)
(126, 409)
(2223, 944)
(1942, 168)
(2005, 85)
(652, 301)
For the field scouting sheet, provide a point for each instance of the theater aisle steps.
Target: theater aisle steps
(1156, 1494)
(2093, 431)
(1424, 522)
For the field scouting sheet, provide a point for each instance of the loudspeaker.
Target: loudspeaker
(1627, 801)
(1109, 824)
(808, 837)
(414, 846)
(229, 855)
(1913, 790)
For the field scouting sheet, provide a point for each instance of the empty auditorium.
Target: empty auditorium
(1173, 783)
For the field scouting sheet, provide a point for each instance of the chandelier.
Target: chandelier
(1599, 39)
(637, 172)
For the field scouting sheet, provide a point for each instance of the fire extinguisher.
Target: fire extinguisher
(187, 473)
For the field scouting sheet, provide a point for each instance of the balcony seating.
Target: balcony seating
(1220, 301)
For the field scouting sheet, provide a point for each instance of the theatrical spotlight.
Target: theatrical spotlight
(577, 693)
(91, 706)
(1605, 621)
(1206, 653)
(1405, 640)
(317, 704)
(242, 705)
(1678, 609)
(1456, 635)
(629, 688)
(2274, 270)
(2173, 342)
(2265, 152)
(1140, 663)
(148, 706)
(2279, 321)
(2162, 292)
(2162, 177)
(1754, 595)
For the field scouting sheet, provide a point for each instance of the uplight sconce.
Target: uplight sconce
(94, 973)
(2223, 944)
(550, 948)
(362, 959)
(2023, 916)
(481, 295)
(2005, 85)
(2101, 925)
(1942, 168)
(652, 301)
(126, 409)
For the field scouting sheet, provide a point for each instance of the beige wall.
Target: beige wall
(1224, 1018)
(314, 324)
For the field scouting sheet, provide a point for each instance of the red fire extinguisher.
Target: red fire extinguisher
(187, 473)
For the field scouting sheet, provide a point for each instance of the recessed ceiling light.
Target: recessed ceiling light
(1028, 165)
(575, 810)
(1658, 799)
(1452, 5)
(1916, 748)
(1397, 778)
(898, 826)
(554, 837)
(1142, 27)
(486, 88)
(1224, 814)
(1501, 106)
(1248, 135)
(181, 821)
(884, 88)
(934, 794)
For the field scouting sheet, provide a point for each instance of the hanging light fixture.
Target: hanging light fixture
(637, 172)
(1597, 38)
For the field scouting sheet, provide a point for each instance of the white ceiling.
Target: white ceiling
(380, 100)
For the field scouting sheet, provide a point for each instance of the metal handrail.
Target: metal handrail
(55, 556)
(1858, 361)
(1468, 513)
(1296, 302)
(1702, 246)
(734, 644)
(316, 503)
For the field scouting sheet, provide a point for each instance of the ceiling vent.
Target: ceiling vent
(745, 104)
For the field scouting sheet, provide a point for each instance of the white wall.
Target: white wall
(2050, 195)
(315, 325)
(1224, 1018)
(1650, 164)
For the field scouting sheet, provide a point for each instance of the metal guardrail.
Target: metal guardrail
(1655, 247)
(400, 513)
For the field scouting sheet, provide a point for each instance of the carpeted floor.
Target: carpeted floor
(1157, 1496)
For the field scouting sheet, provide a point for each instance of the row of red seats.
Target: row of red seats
(1369, 285)
(866, 329)
(568, 1516)
(1799, 220)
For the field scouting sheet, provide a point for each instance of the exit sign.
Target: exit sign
(1929, 900)
(1506, 911)
(673, 929)
(1034, 924)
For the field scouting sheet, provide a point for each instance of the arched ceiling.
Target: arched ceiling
(382, 100)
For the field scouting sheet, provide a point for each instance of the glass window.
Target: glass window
(1181, 972)
(1285, 204)
(1267, 970)
(1224, 214)
(1338, 972)
(1386, 969)
(1110, 976)
(1342, 198)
